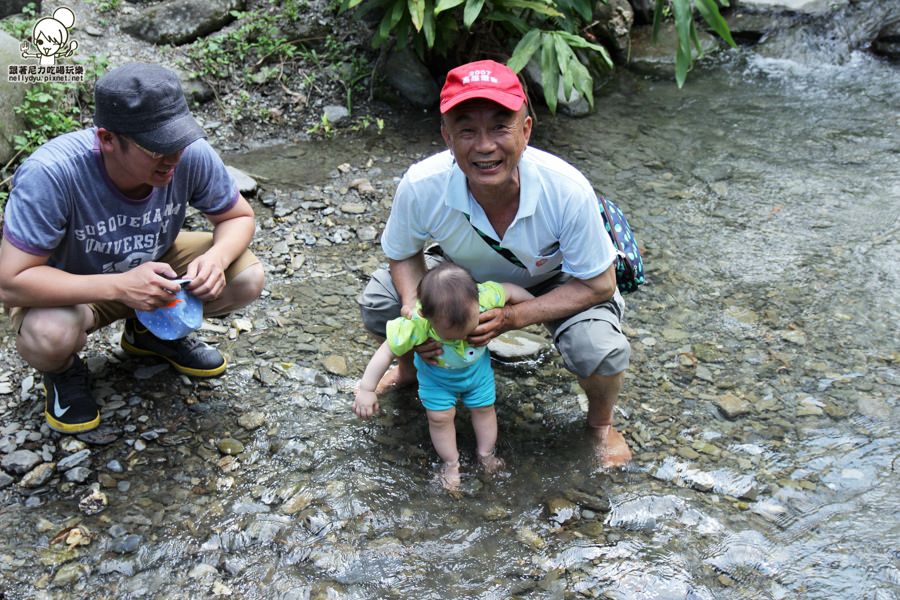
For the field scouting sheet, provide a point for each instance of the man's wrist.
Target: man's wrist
(511, 317)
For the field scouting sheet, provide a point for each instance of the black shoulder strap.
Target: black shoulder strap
(495, 245)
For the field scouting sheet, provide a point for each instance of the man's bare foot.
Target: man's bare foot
(490, 463)
(396, 378)
(450, 476)
(610, 447)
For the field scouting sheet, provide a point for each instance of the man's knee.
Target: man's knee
(51, 334)
(379, 302)
(594, 347)
(247, 285)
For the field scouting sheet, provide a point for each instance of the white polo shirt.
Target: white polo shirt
(558, 224)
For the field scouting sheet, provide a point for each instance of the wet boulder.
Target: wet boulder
(614, 19)
(180, 21)
(412, 80)
(888, 41)
(804, 7)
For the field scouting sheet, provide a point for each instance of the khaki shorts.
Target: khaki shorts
(188, 246)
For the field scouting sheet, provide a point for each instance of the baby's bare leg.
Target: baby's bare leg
(443, 436)
(484, 421)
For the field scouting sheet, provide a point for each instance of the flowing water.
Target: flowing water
(762, 402)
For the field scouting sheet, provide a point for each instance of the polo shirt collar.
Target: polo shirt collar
(456, 196)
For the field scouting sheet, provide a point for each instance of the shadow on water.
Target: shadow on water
(761, 402)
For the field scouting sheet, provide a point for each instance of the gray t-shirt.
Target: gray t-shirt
(64, 205)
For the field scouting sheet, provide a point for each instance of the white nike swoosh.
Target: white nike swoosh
(58, 411)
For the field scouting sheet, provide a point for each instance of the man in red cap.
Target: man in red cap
(508, 212)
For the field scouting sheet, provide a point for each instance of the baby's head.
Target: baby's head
(449, 298)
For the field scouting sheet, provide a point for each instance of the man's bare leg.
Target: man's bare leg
(49, 337)
(602, 392)
(401, 376)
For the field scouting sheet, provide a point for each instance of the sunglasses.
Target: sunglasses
(150, 153)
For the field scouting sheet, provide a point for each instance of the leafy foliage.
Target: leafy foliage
(686, 29)
(265, 52)
(551, 31)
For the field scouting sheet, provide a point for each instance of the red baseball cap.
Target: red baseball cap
(482, 79)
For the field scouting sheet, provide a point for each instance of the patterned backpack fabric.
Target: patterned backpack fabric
(629, 264)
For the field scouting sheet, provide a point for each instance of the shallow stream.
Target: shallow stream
(762, 402)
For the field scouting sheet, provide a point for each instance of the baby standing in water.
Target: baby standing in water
(448, 309)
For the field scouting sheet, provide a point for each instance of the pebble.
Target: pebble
(561, 510)
(252, 420)
(366, 233)
(202, 570)
(20, 461)
(38, 476)
(242, 325)
(70, 573)
(335, 364)
(336, 115)
(230, 446)
(362, 185)
(732, 407)
(77, 474)
(115, 466)
(127, 544)
(150, 372)
(5, 480)
(73, 460)
(296, 503)
(530, 538)
(102, 436)
(93, 503)
(353, 208)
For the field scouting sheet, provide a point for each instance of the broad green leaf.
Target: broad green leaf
(350, 4)
(564, 56)
(526, 47)
(584, 83)
(549, 72)
(388, 22)
(584, 8)
(428, 25)
(538, 7)
(695, 38)
(683, 23)
(518, 23)
(709, 10)
(416, 13)
(657, 17)
(576, 41)
(401, 34)
(473, 9)
(443, 5)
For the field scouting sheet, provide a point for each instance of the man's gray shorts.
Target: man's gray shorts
(590, 342)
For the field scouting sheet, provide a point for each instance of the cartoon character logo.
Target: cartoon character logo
(51, 37)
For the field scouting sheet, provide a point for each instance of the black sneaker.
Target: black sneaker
(69, 406)
(188, 355)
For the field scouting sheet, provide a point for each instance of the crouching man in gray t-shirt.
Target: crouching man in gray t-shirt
(92, 232)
